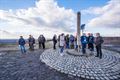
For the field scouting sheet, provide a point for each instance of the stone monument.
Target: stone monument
(75, 63)
(78, 29)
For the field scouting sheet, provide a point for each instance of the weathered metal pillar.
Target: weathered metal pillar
(78, 29)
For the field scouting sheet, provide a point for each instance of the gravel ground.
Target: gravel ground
(17, 66)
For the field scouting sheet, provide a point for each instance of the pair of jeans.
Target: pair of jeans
(22, 47)
(61, 49)
(83, 48)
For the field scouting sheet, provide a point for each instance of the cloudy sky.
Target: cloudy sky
(49, 17)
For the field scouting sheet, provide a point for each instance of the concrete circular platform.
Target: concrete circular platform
(107, 68)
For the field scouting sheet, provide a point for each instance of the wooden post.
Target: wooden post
(78, 30)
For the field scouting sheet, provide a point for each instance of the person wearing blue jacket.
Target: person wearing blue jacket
(22, 43)
(84, 43)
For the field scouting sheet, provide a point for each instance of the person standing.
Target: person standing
(71, 41)
(88, 40)
(22, 43)
(31, 42)
(59, 41)
(41, 41)
(67, 41)
(84, 43)
(75, 43)
(54, 41)
(62, 43)
(98, 42)
(91, 42)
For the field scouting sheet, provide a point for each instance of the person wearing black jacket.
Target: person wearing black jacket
(41, 41)
(54, 41)
(91, 42)
(98, 42)
(31, 42)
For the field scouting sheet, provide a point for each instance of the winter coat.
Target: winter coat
(98, 41)
(90, 39)
(41, 39)
(31, 41)
(67, 39)
(21, 41)
(62, 40)
(71, 38)
(54, 39)
(83, 39)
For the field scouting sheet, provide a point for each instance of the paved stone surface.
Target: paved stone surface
(90, 67)
(15, 66)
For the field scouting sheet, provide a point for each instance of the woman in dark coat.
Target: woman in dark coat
(54, 41)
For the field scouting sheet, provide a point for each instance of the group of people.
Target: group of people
(31, 41)
(91, 41)
(68, 41)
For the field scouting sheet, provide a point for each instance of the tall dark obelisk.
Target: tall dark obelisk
(78, 29)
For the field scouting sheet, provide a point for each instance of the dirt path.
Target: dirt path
(15, 66)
